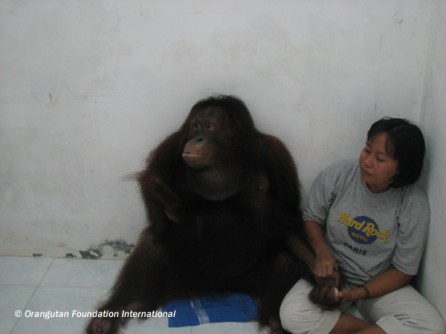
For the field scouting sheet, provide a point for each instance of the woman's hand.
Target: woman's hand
(346, 296)
(326, 293)
(325, 265)
(325, 296)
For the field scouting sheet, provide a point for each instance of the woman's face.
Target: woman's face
(378, 167)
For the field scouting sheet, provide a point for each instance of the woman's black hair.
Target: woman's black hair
(406, 144)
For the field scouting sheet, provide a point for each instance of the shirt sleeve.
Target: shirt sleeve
(413, 219)
(323, 193)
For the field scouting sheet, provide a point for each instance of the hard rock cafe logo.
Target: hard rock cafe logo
(362, 229)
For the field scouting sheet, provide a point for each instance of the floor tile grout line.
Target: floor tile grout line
(46, 273)
(36, 287)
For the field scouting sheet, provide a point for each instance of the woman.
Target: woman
(367, 223)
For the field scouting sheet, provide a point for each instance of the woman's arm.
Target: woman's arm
(386, 282)
(325, 264)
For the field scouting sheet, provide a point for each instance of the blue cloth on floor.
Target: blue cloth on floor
(232, 307)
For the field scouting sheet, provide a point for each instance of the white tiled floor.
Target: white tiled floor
(66, 285)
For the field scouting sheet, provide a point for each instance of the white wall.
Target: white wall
(88, 88)
(433, 118)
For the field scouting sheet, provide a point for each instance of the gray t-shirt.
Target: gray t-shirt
(368, 232)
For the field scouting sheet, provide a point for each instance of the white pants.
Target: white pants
(403, 311)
